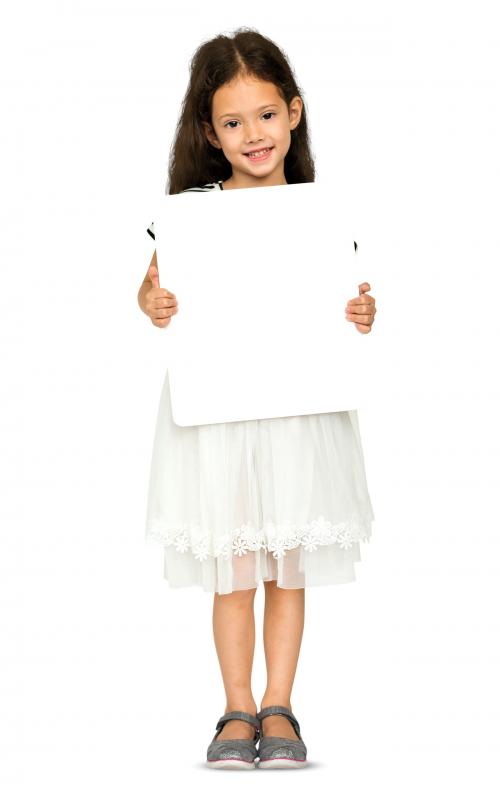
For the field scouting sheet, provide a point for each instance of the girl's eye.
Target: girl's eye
(270, 113)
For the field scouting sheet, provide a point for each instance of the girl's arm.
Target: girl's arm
(146, 284)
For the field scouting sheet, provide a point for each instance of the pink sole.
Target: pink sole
(276, 764)
(230, 764)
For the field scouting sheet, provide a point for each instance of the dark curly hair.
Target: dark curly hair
(193, 160)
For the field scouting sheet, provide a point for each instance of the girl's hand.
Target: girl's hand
(160, 304)
(361, 310)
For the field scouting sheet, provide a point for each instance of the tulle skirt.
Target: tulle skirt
(235, 503)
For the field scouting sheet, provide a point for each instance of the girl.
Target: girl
(282, 500)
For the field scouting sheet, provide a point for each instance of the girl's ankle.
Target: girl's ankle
(276, 700)
(249, 707)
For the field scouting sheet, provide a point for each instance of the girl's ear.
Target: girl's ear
(210, 134)
(295, 111)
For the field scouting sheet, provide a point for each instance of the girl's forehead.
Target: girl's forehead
(246, 94)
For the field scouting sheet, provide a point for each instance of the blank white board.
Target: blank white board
(262, 276)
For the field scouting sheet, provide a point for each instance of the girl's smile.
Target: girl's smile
(260, 155)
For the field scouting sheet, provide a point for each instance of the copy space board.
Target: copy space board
(262, 276)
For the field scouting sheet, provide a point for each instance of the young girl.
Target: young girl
(282, 500)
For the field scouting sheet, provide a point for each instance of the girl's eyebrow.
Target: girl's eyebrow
(258, 110)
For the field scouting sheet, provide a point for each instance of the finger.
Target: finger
(163, 294)
(356, 318)
(153, 276)
(163, 313)
(365, 299)
(161, 322)
(359, 309)
(164, 302)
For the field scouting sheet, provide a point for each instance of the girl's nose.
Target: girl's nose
(253, 136)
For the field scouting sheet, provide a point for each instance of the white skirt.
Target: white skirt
(282, 499)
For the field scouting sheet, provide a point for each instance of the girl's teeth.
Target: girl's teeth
(260, 153)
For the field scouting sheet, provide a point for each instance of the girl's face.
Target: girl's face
(250, 114)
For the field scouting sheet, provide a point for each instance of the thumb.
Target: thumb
(153, 276)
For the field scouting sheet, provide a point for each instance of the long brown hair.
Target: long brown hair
(193, 160)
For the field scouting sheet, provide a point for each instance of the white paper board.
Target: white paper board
(262, 276)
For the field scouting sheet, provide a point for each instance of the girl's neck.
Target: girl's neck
(237, 183)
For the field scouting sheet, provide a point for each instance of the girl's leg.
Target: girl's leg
(234, 634)
(283, 629)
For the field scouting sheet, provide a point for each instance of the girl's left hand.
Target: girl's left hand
(361, 310)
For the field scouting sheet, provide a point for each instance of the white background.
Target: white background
(109, 677)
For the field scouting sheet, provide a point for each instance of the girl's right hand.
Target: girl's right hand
(160, 304)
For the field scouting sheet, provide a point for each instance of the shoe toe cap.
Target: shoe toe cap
(243, 750)
(282, 748)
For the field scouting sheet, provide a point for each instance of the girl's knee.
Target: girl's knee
(241, 595)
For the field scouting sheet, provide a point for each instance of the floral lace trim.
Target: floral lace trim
(275, 538)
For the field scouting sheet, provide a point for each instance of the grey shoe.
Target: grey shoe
(234, 754)
(281, 752)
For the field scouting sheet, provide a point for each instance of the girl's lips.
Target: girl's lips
(262, 156)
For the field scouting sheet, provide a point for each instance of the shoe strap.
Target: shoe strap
(238, 715)
(278, 709)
